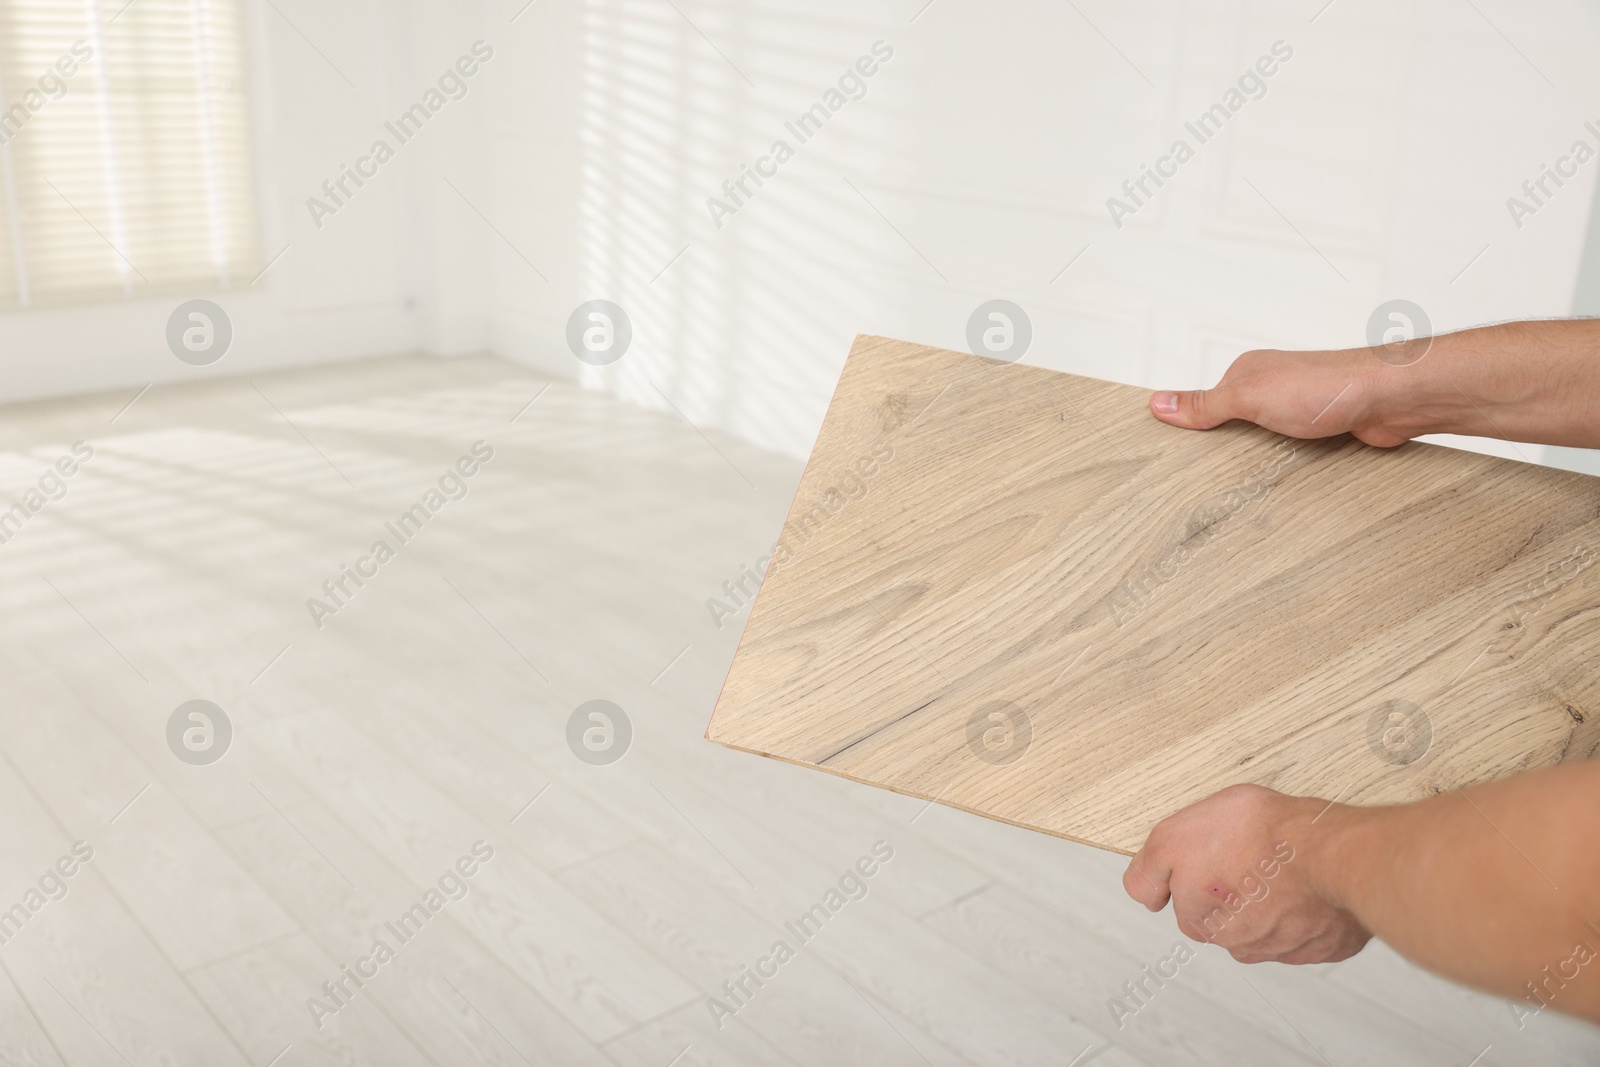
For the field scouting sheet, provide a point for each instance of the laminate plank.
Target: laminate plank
(804, 1010)
(260, 995)
(136, 718)
(812, 835)
(1012, 590)
(146, 842)
(790, 874)
(595, 976)
(494, 761)
(964, 1005)
(514, 748)
(21, 1037)
(1111, 1056)
(684, 1033)
(443, 993)
(1162, 1020)
(91, 976)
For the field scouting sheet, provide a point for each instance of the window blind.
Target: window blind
(124, 150)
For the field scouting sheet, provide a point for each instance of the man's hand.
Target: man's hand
(1526, 381)
(1298, 394)
(1235, 869)
(1495, 885)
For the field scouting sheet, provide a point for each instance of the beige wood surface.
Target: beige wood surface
(1013, 591)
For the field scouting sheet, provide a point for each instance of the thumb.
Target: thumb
(1198, 409)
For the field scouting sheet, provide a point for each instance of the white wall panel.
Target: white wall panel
(1376, 165)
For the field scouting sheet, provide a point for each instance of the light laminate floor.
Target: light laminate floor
(428, 717)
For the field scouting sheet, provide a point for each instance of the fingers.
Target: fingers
(1197, 409)
(1147, 881)
(1265, 931)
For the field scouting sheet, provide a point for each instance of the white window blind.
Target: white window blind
(125, 164)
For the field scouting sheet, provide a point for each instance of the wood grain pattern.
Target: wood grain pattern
(1011, 590)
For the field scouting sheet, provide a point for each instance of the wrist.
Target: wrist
(1526, 381)
(1340, 846)
(1409, 399)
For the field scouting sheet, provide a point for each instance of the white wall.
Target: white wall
(991, 141)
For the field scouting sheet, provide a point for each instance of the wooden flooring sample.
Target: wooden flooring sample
(1013, 591)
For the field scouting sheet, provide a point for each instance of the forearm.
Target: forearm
(1527, 381)
(1497, 886)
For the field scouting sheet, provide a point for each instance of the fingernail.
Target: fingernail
(1166, 403)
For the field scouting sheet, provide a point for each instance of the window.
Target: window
(124, 153)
